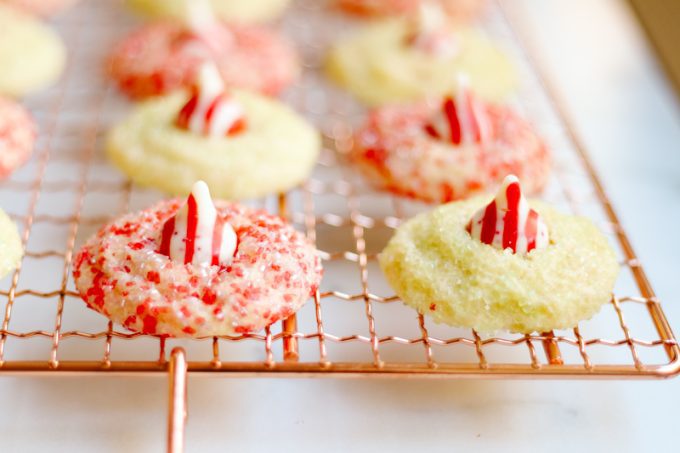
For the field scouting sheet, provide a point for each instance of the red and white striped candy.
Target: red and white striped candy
(430, 32)
(461, 119)
(508, 222)
(197, 234)
(204, 31)
(211, 110)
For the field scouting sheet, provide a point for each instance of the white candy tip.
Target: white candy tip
(209, 77)
(508, 222)
(194, 242)
(462, 79)
(201, 194)
(501, 195)
(429, 9)
(200, 188)
(199, 13)
(430, 16)
(509, 180)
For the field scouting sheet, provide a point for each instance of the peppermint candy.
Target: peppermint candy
(197, 234)
(211, 110)
(461, 119)
(205, 34)
(430, 33)
(508, 222)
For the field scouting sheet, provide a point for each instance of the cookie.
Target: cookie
(252, 11)
(502, 265)
(458, 10)
(197, 269)
(32, 56)
(11, 249)
(42, 8)
(403, 60)
(449, 149)
(163, 57)
(17, 136)
(271, 150)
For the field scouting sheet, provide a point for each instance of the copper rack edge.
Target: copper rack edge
(290, 337)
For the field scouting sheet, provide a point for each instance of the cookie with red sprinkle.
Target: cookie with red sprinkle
(197, 268)
(501, 263)
(17, 136)
(164, 56)
(449, 149)
(459, 10)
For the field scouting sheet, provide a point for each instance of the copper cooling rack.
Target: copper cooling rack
(354, 325)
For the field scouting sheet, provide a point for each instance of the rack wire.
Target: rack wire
(354, 325)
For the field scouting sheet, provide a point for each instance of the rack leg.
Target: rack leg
(177, 413)
(290, 344)
(552, 349)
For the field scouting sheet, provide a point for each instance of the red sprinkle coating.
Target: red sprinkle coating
(121, 274)
(460, 10)
(396, 153)
(161, 57)
(17, 136)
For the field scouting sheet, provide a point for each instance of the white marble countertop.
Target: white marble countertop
(629, 119)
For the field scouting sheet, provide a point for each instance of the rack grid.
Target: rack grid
(354, 325)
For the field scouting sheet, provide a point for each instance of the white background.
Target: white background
(630, 121)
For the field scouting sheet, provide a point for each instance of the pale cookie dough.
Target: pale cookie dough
(378, 68)
(251, 11)
(276, 151)
(436, 267)
(11, 250)
(32, 56)
(41, 7)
